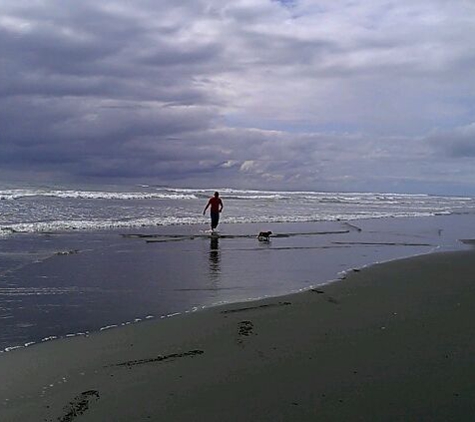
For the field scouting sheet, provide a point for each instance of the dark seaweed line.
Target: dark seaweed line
(159, 358)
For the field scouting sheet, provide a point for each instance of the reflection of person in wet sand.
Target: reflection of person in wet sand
(216, 207)
(214, 257)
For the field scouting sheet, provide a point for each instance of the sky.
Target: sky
(327, 95)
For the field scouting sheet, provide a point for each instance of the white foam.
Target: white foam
(73, 210)
(49, 338)
(9, 349)
(108, 327)
(15, 194)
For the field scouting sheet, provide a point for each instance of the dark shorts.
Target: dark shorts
(214, 219)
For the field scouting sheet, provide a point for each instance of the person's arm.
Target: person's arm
(221, 206)
(207, 206)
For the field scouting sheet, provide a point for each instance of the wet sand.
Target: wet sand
(393, 342)
(92, 280)
(81, 282)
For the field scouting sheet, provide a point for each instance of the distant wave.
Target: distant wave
(15, 194)
(228, 193)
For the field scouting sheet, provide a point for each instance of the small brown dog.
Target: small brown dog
(264, 236)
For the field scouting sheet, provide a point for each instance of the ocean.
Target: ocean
(43, 210)
(74, 261)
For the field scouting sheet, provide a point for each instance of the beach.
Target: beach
(391, 342)
(123, 307)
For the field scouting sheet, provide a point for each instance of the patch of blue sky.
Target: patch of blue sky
(287, 3)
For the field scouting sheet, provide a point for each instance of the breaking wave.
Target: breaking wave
(43, 210)
(15, 194)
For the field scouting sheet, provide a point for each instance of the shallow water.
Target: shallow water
(110, 278)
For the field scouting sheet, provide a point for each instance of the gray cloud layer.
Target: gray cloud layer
(337, 95)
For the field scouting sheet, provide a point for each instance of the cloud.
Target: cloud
(288, 94)
(458, 143)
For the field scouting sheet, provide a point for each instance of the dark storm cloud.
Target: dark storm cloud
(81, 84)
(329, 94)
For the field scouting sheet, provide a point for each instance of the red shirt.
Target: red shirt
(215, 204)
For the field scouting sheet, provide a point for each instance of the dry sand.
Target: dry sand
(394, 342)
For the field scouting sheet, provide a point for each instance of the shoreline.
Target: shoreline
(356, 349)
(342, 275)
(326, 272)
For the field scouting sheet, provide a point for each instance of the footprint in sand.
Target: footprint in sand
(333, 300)
(79, 405)
(245, 329)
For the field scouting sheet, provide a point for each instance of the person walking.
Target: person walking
(216, 207)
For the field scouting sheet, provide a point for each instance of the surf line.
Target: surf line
(382, 243)
(152, 238)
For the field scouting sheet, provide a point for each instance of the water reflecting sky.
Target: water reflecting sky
(111, 279)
